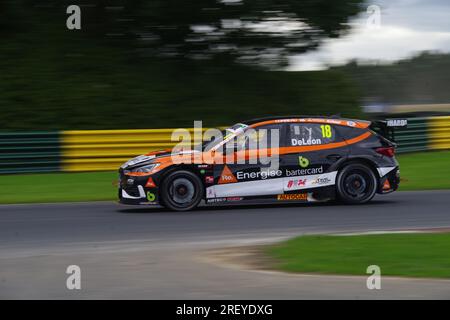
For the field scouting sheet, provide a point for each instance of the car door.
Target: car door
(259, 175)
(312, 157)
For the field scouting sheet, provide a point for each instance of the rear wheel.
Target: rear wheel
(356, 183)
(181, 191)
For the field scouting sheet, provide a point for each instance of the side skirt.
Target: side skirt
(310, 196)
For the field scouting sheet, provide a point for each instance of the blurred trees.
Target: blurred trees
(251, 31)
(422, 79)
(165, 63)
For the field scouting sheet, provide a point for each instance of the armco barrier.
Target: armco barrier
(414, 137)
(26, 152)
(102, 150)
(97, 150)
(439, 132)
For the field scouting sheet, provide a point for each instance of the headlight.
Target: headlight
(144, 169)
(136, 160)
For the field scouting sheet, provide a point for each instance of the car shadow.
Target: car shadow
(209, 209)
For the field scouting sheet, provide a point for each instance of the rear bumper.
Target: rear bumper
(390, 181)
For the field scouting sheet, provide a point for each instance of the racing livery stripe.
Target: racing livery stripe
(349, 123)
(271, 186)
(208, 157)
(249, 154)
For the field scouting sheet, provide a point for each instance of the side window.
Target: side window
(268, 136)
(308, 134)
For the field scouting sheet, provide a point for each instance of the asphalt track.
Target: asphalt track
(150, 253)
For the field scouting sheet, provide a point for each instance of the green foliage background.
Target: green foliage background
(52, 78)
(422, 79)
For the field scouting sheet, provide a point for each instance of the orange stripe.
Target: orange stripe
(248, 154)
(355, 124)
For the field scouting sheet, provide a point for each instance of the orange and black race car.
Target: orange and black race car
(276, 159)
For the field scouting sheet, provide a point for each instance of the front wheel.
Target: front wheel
(181, 191)
(356, 183)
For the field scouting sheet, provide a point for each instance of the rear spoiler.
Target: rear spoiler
(387, 128)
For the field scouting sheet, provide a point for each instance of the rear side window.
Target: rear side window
(307, 134)
(349, 132)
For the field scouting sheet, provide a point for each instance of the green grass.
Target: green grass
(428, 170)
(58, 187)
(425, 170)
(412, 255)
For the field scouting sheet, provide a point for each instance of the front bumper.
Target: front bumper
(132, 190)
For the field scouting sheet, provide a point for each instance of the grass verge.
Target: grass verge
(58, 187)
(409, 255)
(425, 170)
(420, 171)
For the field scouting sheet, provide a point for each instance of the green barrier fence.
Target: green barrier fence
(99, 150)
(414, 137)
(26, 152)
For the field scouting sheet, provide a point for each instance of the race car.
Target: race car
(277, 159)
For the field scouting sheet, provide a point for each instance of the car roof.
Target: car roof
(309, 119)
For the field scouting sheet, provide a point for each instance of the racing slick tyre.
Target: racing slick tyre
(181, 191)
(356, 183)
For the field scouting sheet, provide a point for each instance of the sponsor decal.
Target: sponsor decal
(304, 141)
(234, 199)
(321, 181)
(151, 196)
(351, 123)
(304, 172)
(209, 179)
(150, 183)
(228, 199)
(397, 123)
(286, 120)
(262, 174)
(311, 181)
(294, 196)
(216, 200)
(303, 162)
(307, 142)
(227, 176)
(296, 183)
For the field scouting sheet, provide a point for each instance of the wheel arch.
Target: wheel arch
(369, 163)
(183, 167)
